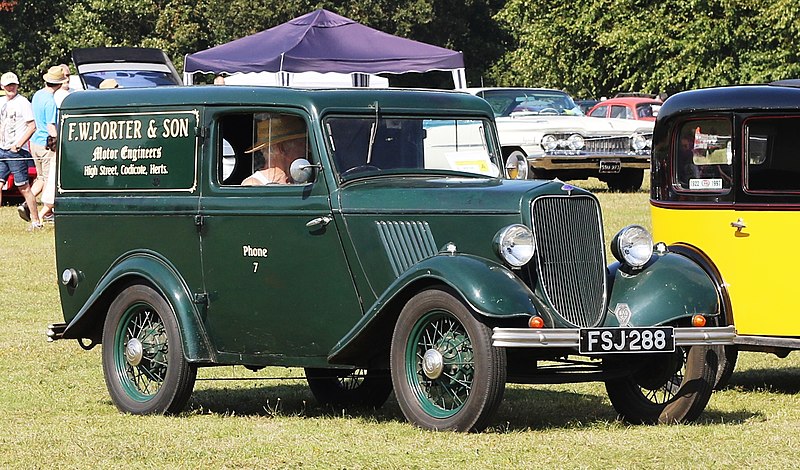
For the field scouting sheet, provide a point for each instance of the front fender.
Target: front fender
(490, 289)
(166, 280)
(669, 288)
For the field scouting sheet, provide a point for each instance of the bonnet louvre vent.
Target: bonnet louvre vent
(406, 243)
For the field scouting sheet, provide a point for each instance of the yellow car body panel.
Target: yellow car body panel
(754, 261)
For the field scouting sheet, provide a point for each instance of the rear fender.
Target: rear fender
(490, 289)
(671, 287)
(149, 268)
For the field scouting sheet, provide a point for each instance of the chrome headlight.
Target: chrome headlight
(514, 245)
(517, 166)
(575, 142)
(633, 246)
(549, 142)
(639, 142)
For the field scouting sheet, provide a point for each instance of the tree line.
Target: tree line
(590, 49)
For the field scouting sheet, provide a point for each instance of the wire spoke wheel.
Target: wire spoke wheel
(350, 387)
(666, 388)
(445, 371)
(440, 358)
(143, 361)
(142, 351)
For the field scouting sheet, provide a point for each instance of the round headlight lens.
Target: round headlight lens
(638, 142)
(514, 245)
(549, 142)
(575, 142)
(633, 246)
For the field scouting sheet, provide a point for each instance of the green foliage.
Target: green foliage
(26, 31)
(181, 27)
(605, 46)
(591, 48)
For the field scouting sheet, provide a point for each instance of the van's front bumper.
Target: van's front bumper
(570, 337)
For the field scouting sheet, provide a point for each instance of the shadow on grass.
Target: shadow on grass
(281, 400)
(776, 380)
(522, 409)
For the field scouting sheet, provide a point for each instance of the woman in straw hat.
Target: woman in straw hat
(281, 140)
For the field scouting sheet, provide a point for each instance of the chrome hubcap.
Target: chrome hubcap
(134, 352)
(432, 364)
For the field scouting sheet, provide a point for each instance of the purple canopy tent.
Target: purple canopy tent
(322, 41)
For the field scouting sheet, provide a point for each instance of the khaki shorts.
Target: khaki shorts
(43, 159)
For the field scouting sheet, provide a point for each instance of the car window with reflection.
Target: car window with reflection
(531, 102)
(257, 149)
(772, 160)
(703, 156)
(600, 111)
(366, 146)
(621, 112)
(129, 78)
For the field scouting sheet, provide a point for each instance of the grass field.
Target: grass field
(56, 412)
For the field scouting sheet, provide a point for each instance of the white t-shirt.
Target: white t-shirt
(59, 96)
(15, 114)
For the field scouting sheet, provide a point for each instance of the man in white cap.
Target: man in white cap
(45, 113)
(16, 127)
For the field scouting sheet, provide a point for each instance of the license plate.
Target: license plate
(627, 340)
(610, 166)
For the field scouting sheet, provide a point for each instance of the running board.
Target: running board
(767, 341)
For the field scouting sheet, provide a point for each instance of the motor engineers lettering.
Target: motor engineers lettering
(128, 130)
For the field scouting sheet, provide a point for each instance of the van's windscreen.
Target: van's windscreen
(363, 146)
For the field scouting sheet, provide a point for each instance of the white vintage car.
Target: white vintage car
(544, 134)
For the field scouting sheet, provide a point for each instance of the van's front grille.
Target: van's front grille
(570, 256)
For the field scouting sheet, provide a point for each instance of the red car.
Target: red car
(644, 109)
(10, 192)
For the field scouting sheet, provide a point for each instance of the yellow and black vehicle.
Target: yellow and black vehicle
(726, 192)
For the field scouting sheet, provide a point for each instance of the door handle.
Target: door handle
(739, 224)
(319, 222)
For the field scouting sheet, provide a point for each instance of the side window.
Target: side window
(645, 111)
(702, 156)
(599, 112)
(258, 148)
(620, 112)
(772, 159)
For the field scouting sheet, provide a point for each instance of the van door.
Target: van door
(767, 222)
(276, 276)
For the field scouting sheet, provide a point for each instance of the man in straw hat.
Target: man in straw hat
(45, 113)
(281, 139)
(16, 127)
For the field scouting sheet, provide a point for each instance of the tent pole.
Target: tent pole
(188, 77)
(459, 78)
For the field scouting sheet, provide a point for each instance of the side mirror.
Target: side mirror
(302, 171)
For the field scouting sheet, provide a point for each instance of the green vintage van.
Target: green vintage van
(380, 250)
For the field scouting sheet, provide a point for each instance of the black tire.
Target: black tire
(445, 371)
(350, 387)
(727, 363)
(628, 180)
(143, 362)
(668, 388)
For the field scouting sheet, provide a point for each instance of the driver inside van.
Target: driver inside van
(280, 140)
